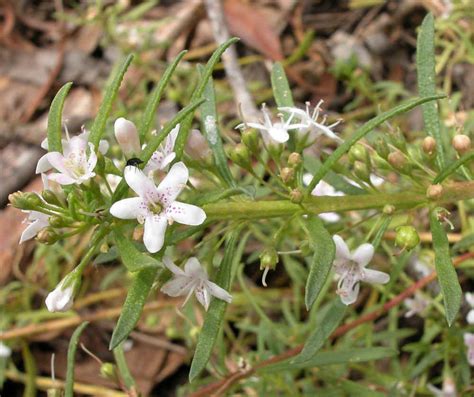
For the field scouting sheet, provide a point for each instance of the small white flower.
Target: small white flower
(193, 278)
(36, 222)
(415, 305)
(351, 267)
(157, 206)
(449, 388)
(469, 342)
(312, 126)
(165, 154)
(127, 137)
(470, 301)
(5, 351)
(324, 189)
(61, 298)
(278, 131)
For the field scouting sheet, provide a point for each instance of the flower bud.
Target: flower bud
(25, 201)
(48, 236)
(358, 152)
(381, 148)
(388, 209)
(5, 351)
(429, 145)
(398, 161)
(287, 175)
(434, 191)
(50, 197)
(461, 143)
(294, 160)
(296, 196)
(62, 297)
(398, 140)
(240, 155)
(58, 221)
(268, 258)
(407, 237)
(362, 171)
(250, 139)
(108, 371)
(127, 137)
(197, 146)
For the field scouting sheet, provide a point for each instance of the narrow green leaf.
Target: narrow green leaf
(148, 118)
(111, 91)
(380, 233)
(324, 252)
(71, 355)
(55, 119)
(214, 319)
(453, 167)
(327, 324)
(186, 125)
(133, 306)
(211, 132)
(464, 244)
(425, 65)
(361, 132)
(447, 277)
(132, 258)
(123, 367)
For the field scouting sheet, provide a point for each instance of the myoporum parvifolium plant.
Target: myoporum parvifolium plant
(268, 188)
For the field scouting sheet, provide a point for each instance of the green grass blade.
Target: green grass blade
(453, 167)
(111, 91)
(133, 306)
(55, 119)
(148, 118)
(425, 65)
(380, 233)
(132, 258)
(211, 132)
(324, 251)
(123, 367)
(214, 319)
(186, 125)
(447, 277)
(71, 355)
(363, 131)
(327, 324)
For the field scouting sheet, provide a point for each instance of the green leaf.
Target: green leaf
(148, 118)
(447, 277)
(55, 119)
(380, 233)
(211, 132)
(186, 125)
(361, 132)
(425, 65)
(133, 306)
(327, 324)
(123, 367)
(133, 259)
(353, 355)
(453, 167)
(214, 319)
(111, 91)
(71, 355)
(324, 252)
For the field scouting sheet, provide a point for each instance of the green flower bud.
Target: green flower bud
(250, 139)
(240, 155)
(407, 237)
(362, 171)
(58, 221)
(108, 371)
(268, 258)
(398, 140)
(381, 148)
(388, 209)
(294, 160)
(50, 197)
(358, 152)
(53, 393)
(25, 201)
(399, 162)
(296, 196)
(287, 175)
(48, 236)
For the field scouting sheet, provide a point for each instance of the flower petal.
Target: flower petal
(92, 160)
(31, 231)
(154, 233)
(218, 292)
(349, 296)
(203, 295)
(342, 250)
(178, 286)
(363, 254)
(194, 269)
(278, 134)
(43, 164)
(173, 183)
(129, 208)
(103, 146)
(139, 182)
(330, 217)
(62, 179)
(172, 267)
(57, 160)
(186, 214)
(375, 277)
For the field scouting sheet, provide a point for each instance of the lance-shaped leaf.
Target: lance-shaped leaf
(55, 119)
(447, 277)
(453, 167)
(132, 258)
(71, 355)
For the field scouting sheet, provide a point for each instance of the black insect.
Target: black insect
(134, 162)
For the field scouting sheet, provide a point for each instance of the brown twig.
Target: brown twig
(219, 387)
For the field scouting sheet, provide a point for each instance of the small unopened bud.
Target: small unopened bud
(48, 236)
(58, 221)
(50, 197)
(296, 196)
(407, 237)
(240, 155)
(358, 152)
(398, 161)
(398, 140)
(62, 297)
(429, 145)
(25, 201)
(434, 191)
(461, 143)
(381, 148)
(388, 209)
(197, 146)
(287, 174)
(108, 371)
(268, 258)
(127, 137)
(294, 160)
(138, 232)
(362, 171)
(250, 139)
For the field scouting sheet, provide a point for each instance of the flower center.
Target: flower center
(155, 207)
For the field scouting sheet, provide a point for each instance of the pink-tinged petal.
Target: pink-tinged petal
(203, 295)
(173, 183)
(57, 160)
(375, 277)
(172, 267)
(171, 140)
(363, 254)
(129, 208)
(348, 297)
(342, 250)
(103, 146)
(168, 160)
(44, 144)
(469, 298)
(139, 182)
(154, 233)
(127, 136)
(31, 231)
(77, 144)
(186, 214)
(62, 179)
(218, 292)
(193, 269)
(468, 339)
(178, 286)
(43, 164)
(330, 217)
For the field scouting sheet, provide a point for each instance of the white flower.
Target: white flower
(415, 305)
(310, 122)
(157, 206)
(5, 351)
(470, 301)
(469, 342)
(193, 278)
(44, 165)
(278, 131)
(127, 137)
(36, 222)
(164, 155)
(449, 388)
(324, 189)
(61, 298)
(351, 267)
